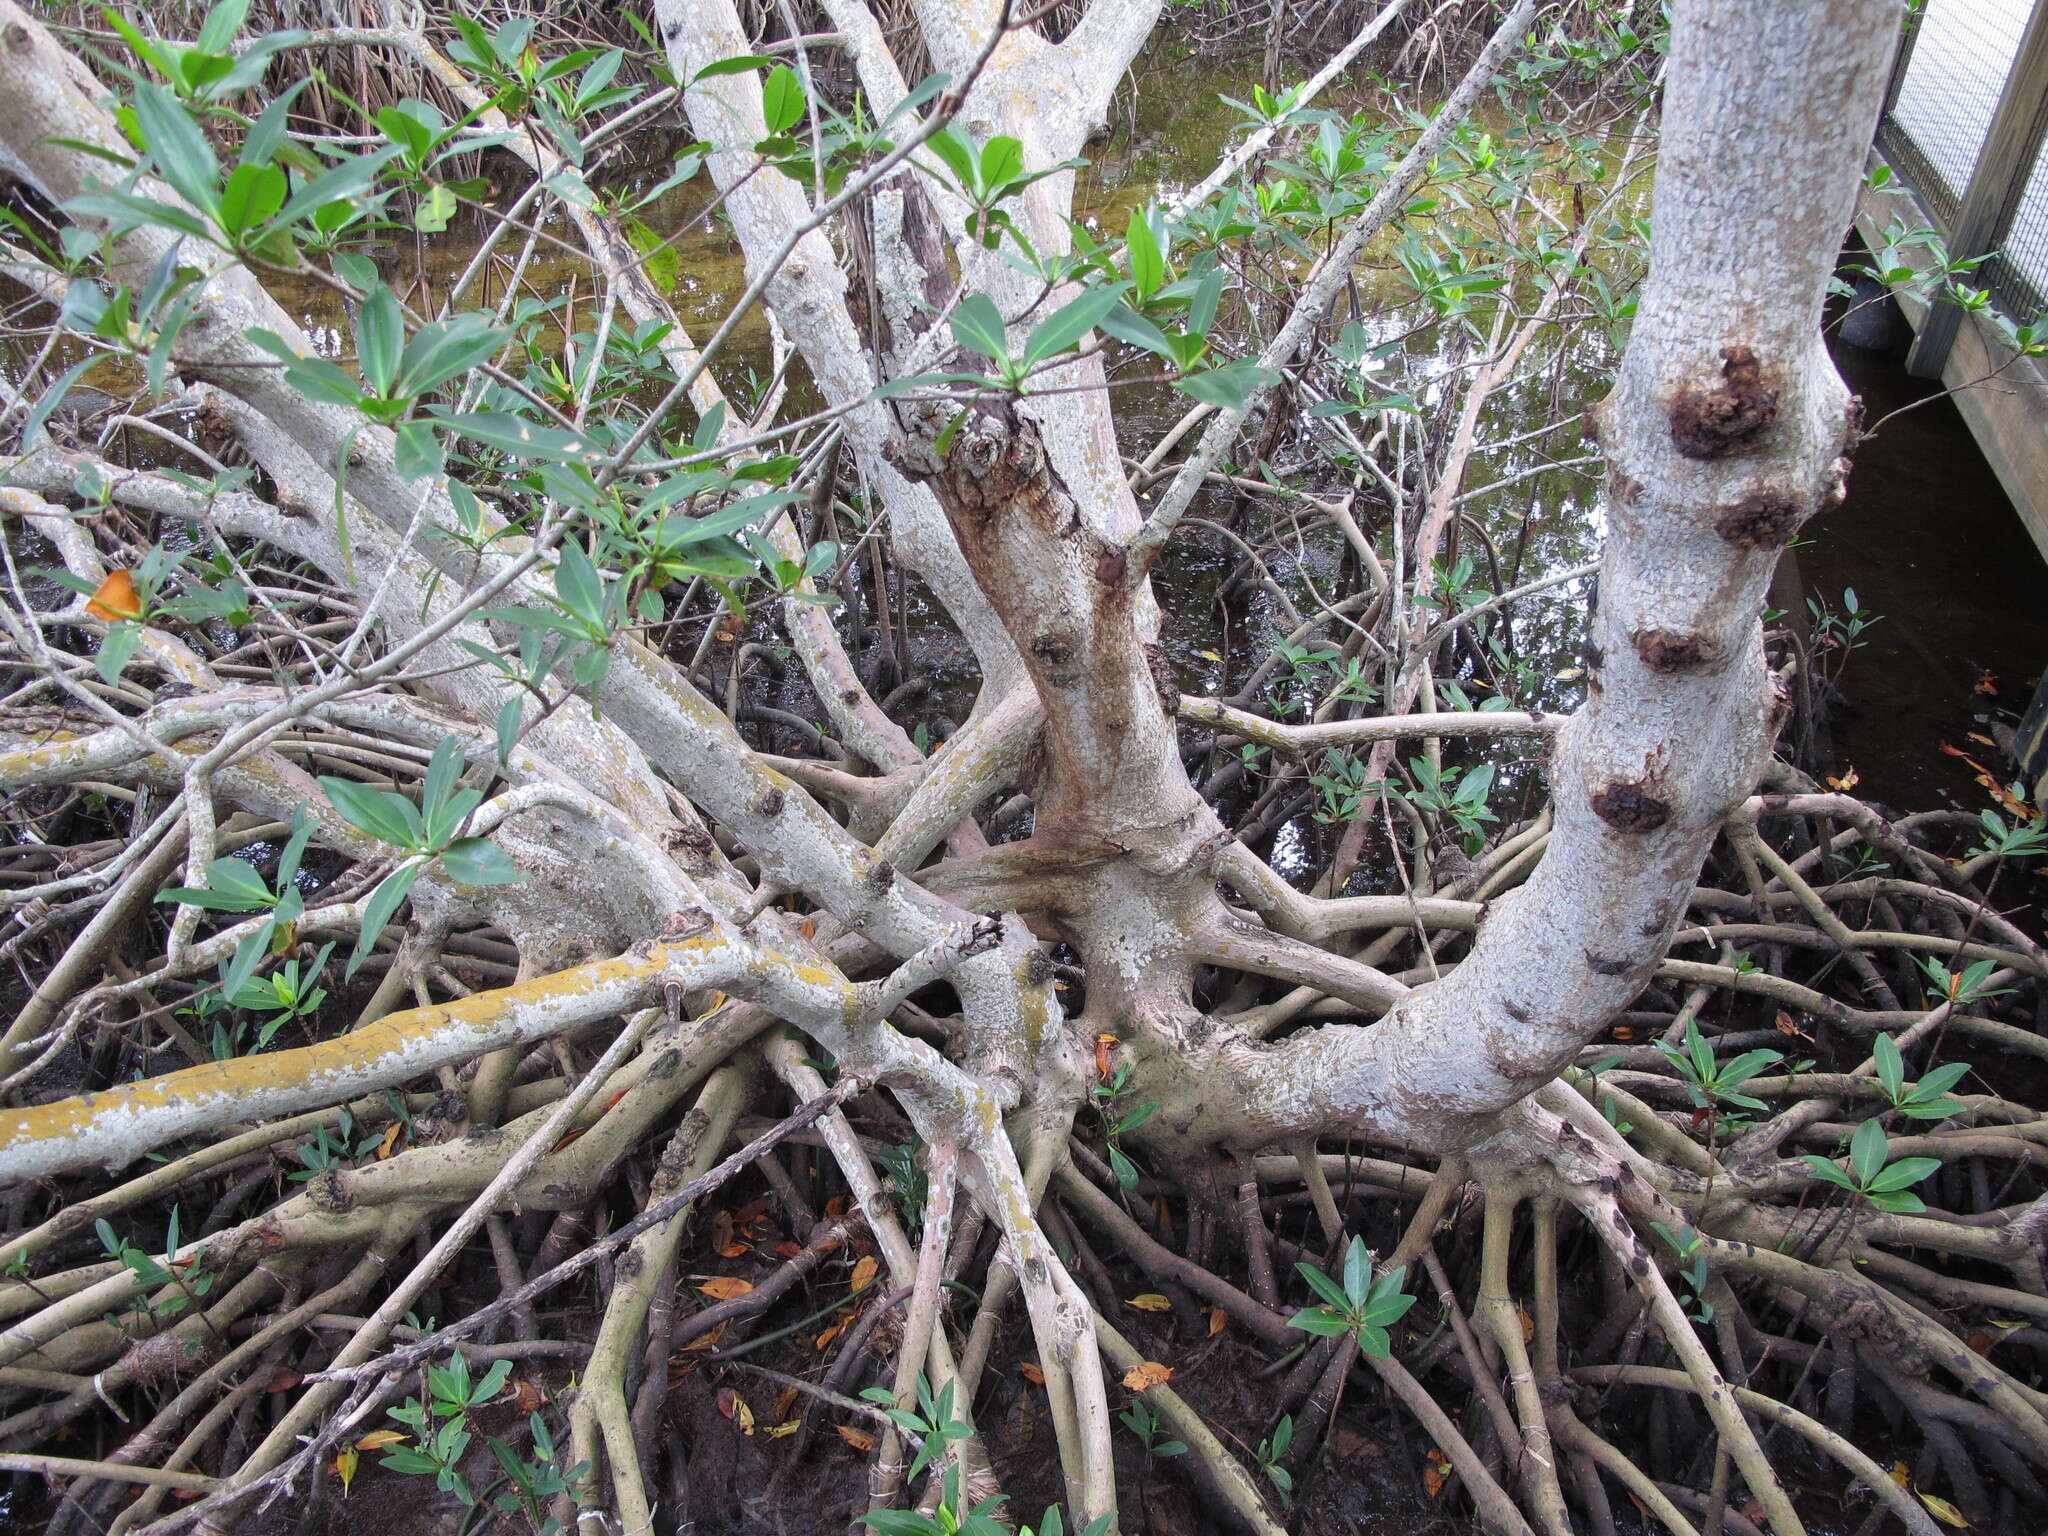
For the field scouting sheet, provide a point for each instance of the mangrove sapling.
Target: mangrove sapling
(447, 624)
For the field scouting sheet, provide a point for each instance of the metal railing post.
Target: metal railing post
(1997, 183)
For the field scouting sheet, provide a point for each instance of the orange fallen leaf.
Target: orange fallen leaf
(1436, 1471)
(784, 1401)
(787, 1250)
(1848, 781)
(1981, 1343)
(1218, 1321)
(393, 1134)
(1787, 1027)
(859, 1439)
(284, 1381)
(1528, 1323)
(377, 1439)
(527, 1396)
(733, 1250)
(1151, 1301)
(706, 1340)
(569, 1140)
(864, 1272)
(725, 1287)
(1104, 1044)
(1146, 1375)
(836, 1206)
(824, 1339)
(1986, 683)
(115, 599)
(1902, 1474)
(1031, 1373)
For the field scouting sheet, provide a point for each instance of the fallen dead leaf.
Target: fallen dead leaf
(284, 1381)
(788, 1427)
(1031, 1373)
(528, 1397)
(784, 1401)
(345, 1463)
(1944, 1511)
(115, 599)
(394, 1133)
(734, 1407)
(1436, 1471)
(864, 1272)
(1146, 1375)
(1981, 1342)
(725, 1287)
(1902, 1474)
(705, 1340)
(1151, 1301)
(1218, 1321)
(1349, 1442)
(377, 1439)
(859, 1439)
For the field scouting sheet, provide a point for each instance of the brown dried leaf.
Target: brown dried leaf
(864, 1272)
(1151, 1301)
(1218, 1321)
(1031, 1373)
(394, 1133)
(377, 1439)
(859, 1439)
(725, 1287)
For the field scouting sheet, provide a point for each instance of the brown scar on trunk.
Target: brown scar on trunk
(1721, 423)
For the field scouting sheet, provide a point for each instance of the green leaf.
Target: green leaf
(32, 428)
(388, 817)
(1127, 325)
(380, 909)
(1325, 1287)
(1357, 1272)
(1202, 306)
(950, 147)
(253, 194)
(1062, 330)
(1827, 1171)
(178, 147)
(380, 340)
(578, 585)
(1229, 387)
(782, 99)
(978, 326)
(116, 650)
(478, 861)
(1891, 1066)
(739, 64)
(524, 439)
(1867, 1152)
(1322, 1320)
(1148, 265)
(1905, 1172)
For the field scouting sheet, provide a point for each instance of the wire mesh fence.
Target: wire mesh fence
(1962, 58)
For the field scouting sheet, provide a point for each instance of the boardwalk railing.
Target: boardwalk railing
(1963, 126)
